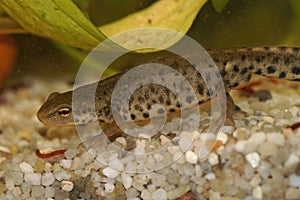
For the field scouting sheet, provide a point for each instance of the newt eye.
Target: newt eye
(64, 112)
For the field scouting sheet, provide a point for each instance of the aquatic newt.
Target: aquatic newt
(236, 66)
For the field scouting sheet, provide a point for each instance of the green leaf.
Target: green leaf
(177, 15)
(56, 19)
(219, 5)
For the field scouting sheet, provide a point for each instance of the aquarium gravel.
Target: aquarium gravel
(257, 158)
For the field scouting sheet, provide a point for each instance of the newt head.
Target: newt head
(57, 110)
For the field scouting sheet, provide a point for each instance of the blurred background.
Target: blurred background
(242, 23)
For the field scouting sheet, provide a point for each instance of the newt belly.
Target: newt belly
(236, 66)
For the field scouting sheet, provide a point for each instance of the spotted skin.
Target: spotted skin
(236, 66)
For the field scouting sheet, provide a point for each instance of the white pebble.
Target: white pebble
(257, 193)
(110, 173)
(222, 137)
(257, 138)
(179, 158)
(48, 179)
(17, 191)
(158, 179)
(213, 159)
(294, 180)
(126, 180)
(253, 159)
(146, 194)
(210, 176)
(160, 194)
(25, 167)
(158, 157)
(275, 138)
(191, 157)
(116, 164)
(49, 192)
(240, 145)
(227, 129)
(37, 191)
(109, 187)
(292, 161)
(66, 163)
(67, 185)
(185, 143)
(33, 178)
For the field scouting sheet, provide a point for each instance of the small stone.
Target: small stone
(185, 143)
(67, 186)
(48, 167)
(48, 179)
(222, 137)
(257, 193)
(240, 145)
(77, 163)
(33, 178)
(276, 138)
(292, 161)
(210, 176)
(292, 193)
(213, 159)
(294, 180)
(126, 180)
(109, 187)
(116, 164)
(17, 191)
(49, 192)
(257, 138)
(226, 129)
(253, 159)
(17, 178)
(179, 158)
(158, 179)
(146, 194)
(66, 163)
(160, 194)
(158, 157)
(25, 167)
(255, 181)
(191, 157)
(110, 173)
(37, 191)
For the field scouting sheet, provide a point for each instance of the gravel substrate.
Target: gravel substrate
(257, 158)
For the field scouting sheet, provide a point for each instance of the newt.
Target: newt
(236, 66)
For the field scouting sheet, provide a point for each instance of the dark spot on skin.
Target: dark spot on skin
(225, 63)
(296, 70)
(226, 82)
(243, 57)
(259, 72)
(160, 111)
(287, 60)
(145, 115)
(235, 84)
(178, 105)
(141, 99)
(236, 108)
(275, 60)
(248, 77)
(223, 72)
(296, 79)
(149, 21)
(161, 99)
(244, 71)
(258, 59)
(189, 99)
(148, 106)
(137, 107)
(200, 89)
(271, 70)
(103, 121)
(168, 102)
(282, 75)
(154, 101)
(200, 102)
(172, 110)
(236, 68)
(251, 67)
(132, 116)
